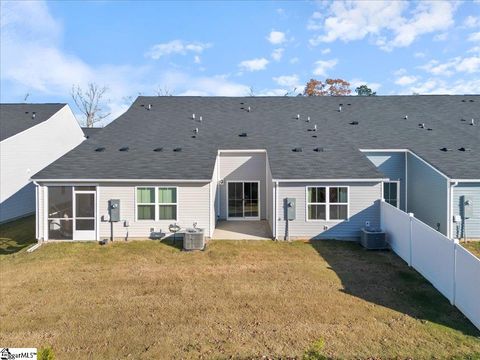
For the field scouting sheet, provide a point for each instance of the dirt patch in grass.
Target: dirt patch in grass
(239, 299)
(17, 235)
(473, 247)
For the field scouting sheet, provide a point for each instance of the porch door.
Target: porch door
(243, 200)
(84, 215)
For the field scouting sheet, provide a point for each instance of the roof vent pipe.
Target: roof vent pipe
(200, 119)
(471, 122)
(193, 116)
(422, 125)
(195, 130)
(149, 107)
(298, 116)
(406, 117)
(340, 108)
(315, 127)
(33, 115)
(249, 109)
(308, 118)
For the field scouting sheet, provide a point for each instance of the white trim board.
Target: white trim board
(124, 180)
(331, 180)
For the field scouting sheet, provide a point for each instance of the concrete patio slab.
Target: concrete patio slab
(242, 230)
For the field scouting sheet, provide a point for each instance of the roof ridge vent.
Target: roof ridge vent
(464, 149)
(444, 149)
(297, 149)
(422, 125)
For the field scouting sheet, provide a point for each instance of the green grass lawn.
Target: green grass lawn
(473, 247)
(17, 235)
(236, 299)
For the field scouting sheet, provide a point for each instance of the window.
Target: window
(338, 203)
(156, 203)
(390, 193)
(146, 203)
(167, 203)
(327, 203)
(317, 203)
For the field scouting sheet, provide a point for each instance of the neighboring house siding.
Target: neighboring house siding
(26, 153)
(19, 204)
(427, 194)
(363, 206)
(471, 227)
(242, 167)
(193, 206)
(392, 164)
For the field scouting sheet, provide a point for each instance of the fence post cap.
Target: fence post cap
(456, 241)
(411, 214)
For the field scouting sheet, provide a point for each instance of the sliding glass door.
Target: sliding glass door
(243, 200)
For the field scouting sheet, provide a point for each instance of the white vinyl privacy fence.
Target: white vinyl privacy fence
(452, 269)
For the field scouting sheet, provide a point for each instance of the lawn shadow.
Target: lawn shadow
(382, 278)
(17, 235)
(175, 241)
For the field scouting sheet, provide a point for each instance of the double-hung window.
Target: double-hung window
(327, 203)
(317, 206)
(157, 203)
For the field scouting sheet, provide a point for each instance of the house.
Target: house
(327, 161)
(31, 137)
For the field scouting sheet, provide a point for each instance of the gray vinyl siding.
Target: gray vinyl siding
(392, 164)
(25, 153)
(193, 206)
(427, 194)
(20, 204)
(461, 192)
(363, 206)
(242, 166)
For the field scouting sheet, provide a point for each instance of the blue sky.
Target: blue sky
(228, 48)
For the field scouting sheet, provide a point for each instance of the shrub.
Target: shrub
(315, 351)
(46, 353)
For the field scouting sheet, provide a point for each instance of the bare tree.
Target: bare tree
(165, 91)
(251, 91)
(25, 98)
(89, 102)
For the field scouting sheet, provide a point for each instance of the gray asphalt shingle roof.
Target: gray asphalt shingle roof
(272, 125)
(15, 118)
(89, 132)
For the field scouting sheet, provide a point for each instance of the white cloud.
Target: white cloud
(290, 81)
(419, 55)
(474, 36)
(455, 65)
(176, 47)
(358, 82)
(326, 51)
(277, 54)
(254, 64)
(276, 37)
(384, 21)
(439, 86)
(406, 80)
(471, 21)
(197, 59)
(322, 66)
(294, 60)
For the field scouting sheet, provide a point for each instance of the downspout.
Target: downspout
(450, 221)
(36, 208)
(276, 210)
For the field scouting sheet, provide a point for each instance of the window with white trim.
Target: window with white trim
(316, 203)
(390, 192)
(327, 203)
(338, 199)
(157, 203)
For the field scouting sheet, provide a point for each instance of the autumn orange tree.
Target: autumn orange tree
(331, 87)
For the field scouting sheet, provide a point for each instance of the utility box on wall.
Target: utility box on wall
(290, 206)
(467, 208)
(114, 210)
